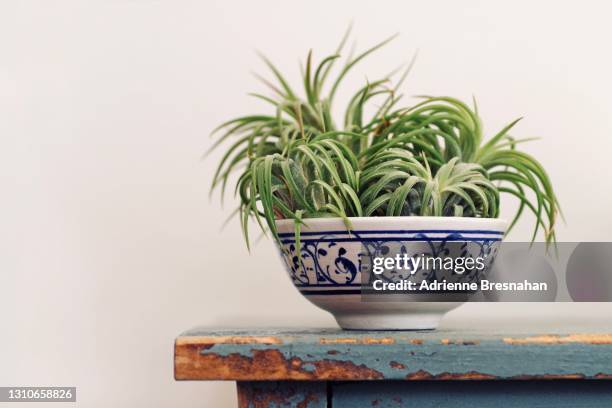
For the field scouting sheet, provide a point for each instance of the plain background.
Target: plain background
(109, 244)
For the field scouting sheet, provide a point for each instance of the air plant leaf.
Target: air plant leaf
(430, 158)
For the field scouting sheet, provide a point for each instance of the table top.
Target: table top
(339, 355)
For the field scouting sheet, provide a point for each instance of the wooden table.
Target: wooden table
(336, 368)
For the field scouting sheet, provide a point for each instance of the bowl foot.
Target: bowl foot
(387, 321)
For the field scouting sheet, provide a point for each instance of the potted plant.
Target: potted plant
(385, 174)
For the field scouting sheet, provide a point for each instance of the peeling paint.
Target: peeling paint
(464, 394)
(576, 376)
(385, 340)
(557, 339)
(268, 364)
(281, 394)
(339, 341)
(186, 340)
(602, 376)
(396, 365)
(471, 375)
(447, 342)
(336, 355)
(351, 340)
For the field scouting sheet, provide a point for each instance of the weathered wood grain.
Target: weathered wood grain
(337, 355)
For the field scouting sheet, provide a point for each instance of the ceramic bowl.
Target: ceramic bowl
(329, 271)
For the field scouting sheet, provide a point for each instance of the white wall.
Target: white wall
(109, 246)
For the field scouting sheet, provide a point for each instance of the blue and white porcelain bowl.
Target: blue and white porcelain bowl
(329, 271)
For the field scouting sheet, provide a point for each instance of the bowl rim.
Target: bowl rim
(396, 222)
(407, 217)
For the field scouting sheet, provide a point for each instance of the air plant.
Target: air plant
(429, 159)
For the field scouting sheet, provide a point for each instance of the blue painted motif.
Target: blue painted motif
(331, 262)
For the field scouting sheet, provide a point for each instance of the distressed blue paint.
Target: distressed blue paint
(516, 394)
(467, 352)
(282, 394)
